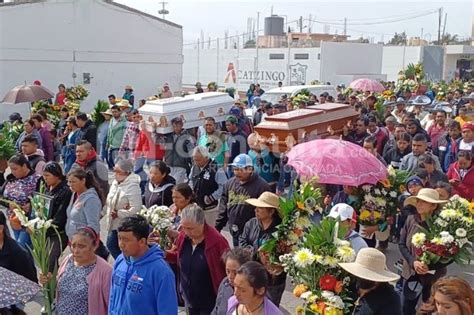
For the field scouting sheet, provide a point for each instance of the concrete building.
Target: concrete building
(333, 62)
(97, 43)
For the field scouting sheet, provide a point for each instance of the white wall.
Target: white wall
(349, 58)
(205, 65)
(396, 58)
(50, 41)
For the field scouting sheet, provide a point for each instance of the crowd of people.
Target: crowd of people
(215, 177)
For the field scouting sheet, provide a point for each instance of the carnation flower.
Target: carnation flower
(461, 232)
(446, 238)
(303, 258)
(393, 194)
(418, 239)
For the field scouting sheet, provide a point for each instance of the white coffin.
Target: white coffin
(191, 108)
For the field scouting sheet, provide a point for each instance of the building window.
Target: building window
(277, 56)
(302, 56)
(319, 56)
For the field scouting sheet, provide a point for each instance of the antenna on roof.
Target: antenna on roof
(163, 11)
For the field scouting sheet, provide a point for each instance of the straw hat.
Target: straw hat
(266, 200)
(123, 103)
(425, 194)
(370, 264)
(128, 87)
(107, 112)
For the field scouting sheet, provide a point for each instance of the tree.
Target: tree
(449, 39)
(398, 39)
(250, 44)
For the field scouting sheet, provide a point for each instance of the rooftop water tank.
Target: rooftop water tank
(274, 25)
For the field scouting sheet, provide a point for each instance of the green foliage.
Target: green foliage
(7, 141)
(97, 116)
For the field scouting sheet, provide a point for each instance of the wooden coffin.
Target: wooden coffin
(280, 132)
(191, 108)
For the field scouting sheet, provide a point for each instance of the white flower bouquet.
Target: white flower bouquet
(37, 227)
(314, 268)
(161, 220)
(449, 235)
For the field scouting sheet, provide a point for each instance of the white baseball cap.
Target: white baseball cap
(343, 212)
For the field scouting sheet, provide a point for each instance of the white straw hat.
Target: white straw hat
(370, 264)
(266, 200)
(425, 194)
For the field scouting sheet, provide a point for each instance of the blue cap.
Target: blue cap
(414, 180)
(242, 161)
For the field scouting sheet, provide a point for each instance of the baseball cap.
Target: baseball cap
(343, 212)
(414, 180)
(242, 161)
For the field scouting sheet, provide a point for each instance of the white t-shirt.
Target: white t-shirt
(463, 146)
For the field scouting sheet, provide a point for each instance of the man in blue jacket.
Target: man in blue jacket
(142, 282)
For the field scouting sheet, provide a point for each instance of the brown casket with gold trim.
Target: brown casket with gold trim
(282, 131)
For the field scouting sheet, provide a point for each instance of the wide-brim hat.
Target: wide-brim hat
(444, 106)
(470, 97)
(389, 103)
(426, 194)
(107, 112)
(266, 200)
(422, 100)
(400, 100)
(123, 103)
(128, 87)
(370, 264)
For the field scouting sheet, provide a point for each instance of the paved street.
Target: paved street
(289, 302)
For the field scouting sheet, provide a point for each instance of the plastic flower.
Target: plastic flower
(345, 253)
(303, 258)
(461, 232)
(418, 239)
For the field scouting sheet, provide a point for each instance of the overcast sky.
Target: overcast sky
(216, 16)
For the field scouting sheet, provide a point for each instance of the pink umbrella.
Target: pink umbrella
(336, 162)
(27, 94)
(367, 85)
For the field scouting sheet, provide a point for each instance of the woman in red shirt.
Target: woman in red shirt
(461, 176)
(61, 95)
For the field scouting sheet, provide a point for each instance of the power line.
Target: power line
(380, 22)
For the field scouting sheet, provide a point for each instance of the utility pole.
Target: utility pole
(256, 45)
(345, 26)
(421, 37)
(444, 26)
(301, 24)
(163, 11)
(440, 13)
(310, 19)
